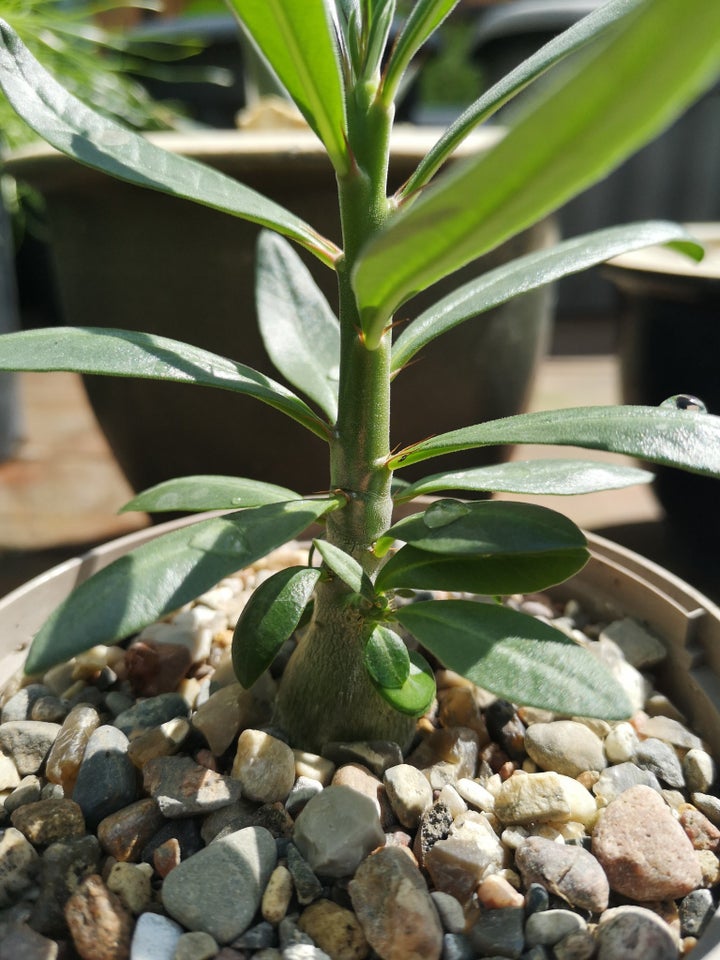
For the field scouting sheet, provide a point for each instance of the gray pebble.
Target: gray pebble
(707, 804)
(536, 898)
(63, 865)
(307, 886)
(18, 865)
(550, 926)
(107, 779)
(27, 791)
(699, 771)
(634, 933)
(289, 934)
(19, 705)
(52, 709)
(616, 780)
(184, 788)
(196, 946)
(696, 910)
(376, 755)
(336, 830)
(28, 742)
(304, 951)
(258, 937)
(450, 911)
(565, 746)
(155, 938)
(22, 943)
(499, 932)
(218, 890)
(456, 946)
(660, 758)
(303, 790)
(152, 712)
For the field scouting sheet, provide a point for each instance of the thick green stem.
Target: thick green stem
(326, 693)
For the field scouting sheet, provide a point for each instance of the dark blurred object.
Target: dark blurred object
(669, 347)
(675, 177)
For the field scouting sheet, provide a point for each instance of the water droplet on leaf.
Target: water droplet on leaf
(685, 401)
(443, 512)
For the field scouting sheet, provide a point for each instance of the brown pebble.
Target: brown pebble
(100, 926)
(155, 668)
(45, 821)
(334, 930)
(703, 834)
(124, 834)
(166, 857)
(495, 893)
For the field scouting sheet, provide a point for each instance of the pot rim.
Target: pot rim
(663, 261)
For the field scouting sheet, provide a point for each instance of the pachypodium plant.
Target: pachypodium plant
(613, 81)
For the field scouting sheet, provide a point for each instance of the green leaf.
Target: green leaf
(418, 691)
(347, 568)
(386, 658)
(89, 137)
(300, 332)
(125, 353)
(425, 17)
(587, 29)
(490, 576)
(204, 492)
(578, 131)
(537, 477)
(677, 438)
(162, 575)
(269, 618)
(295, 37)
(530, 272)
(515, 656)
(488, 527)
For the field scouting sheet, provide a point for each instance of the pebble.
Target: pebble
(495, 892)
(462, 707)
(450, 911)
(475, 794)
(566, 870)
(68, 750)
(660, 758)
(224, 714)
(62, 866)
(434, 825)
(643, 849)
(21, 942)
(634, 933)
(162, 741)
(9, 776)
(551, 926)
(156, 938)
(709, 867)
(307, 885)
(100, 926)
(302, 790)
(359, 778)
(621, 743)
(131, 882)
(525, 798)
(18, 865)
(617, 779)
(156, 668)
(703, 834)
(258, 937)
(125, 833)
(336, 830)
(146, 714)
(707, 804)
(264, 767)
(49, 708)
(699, 770)
(335, 930)
(311, 766)
(195, 892)
(45, 821)
(106, 781)
(456, 946)
(376, 755)
(499, 932)
(669, 730)
(29, 790)
(28, 742)
(565, 746)
(639, 646)
(447, 755)
(183, 788)
(166, 857)
(635, 685)
(195, 946)
(575, 946)
(278, 893)
(459, 862)
(20, 704)
(696, 911)
(395, 910)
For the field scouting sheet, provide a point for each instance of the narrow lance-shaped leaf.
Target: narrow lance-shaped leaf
(89, 137)
(612, 104)
(346, 567)
(530, 272)
(587, 29)
(126, 353)
(678, 438)
(534, 477)
(269, 618)
(424, 18)
(207, 492)
(295, 36)
(516, 656)
(160, 576)
(300, 332)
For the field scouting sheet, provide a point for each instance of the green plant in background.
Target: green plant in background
(638, 64)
